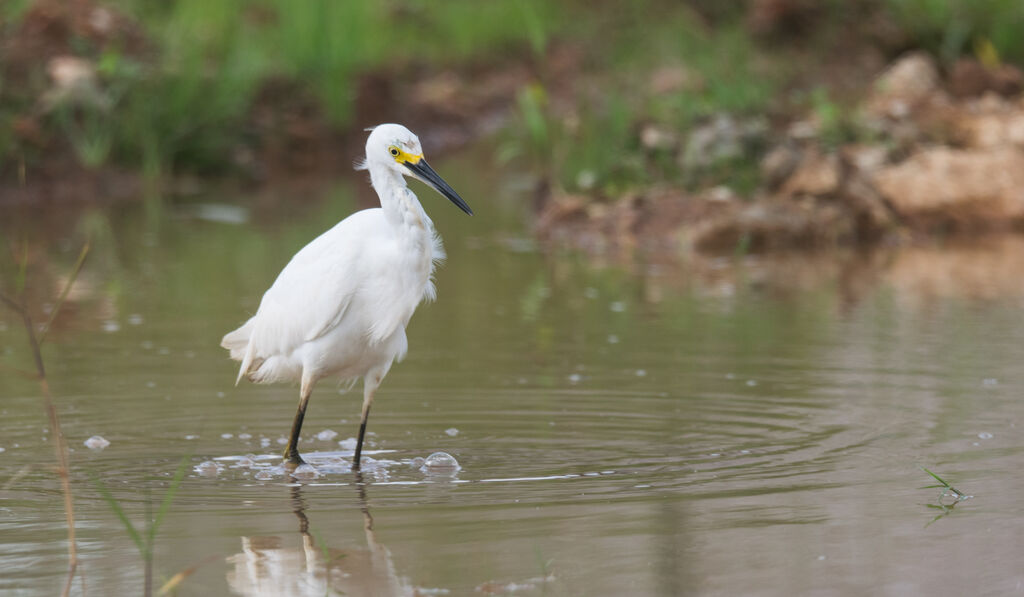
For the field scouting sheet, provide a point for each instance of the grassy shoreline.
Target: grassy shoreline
(232, 89)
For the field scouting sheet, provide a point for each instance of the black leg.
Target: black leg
(291, 453)
(359, 442)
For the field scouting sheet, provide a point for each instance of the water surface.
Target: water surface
(626, 426)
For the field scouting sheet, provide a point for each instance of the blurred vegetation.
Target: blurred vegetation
(952, 28)
(669, 75)
(180, 96)
(184, 101)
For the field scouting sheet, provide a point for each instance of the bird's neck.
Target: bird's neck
(400, 206)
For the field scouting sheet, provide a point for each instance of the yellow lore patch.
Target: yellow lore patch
(402, 156)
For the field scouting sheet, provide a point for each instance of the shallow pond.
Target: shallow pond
(624, 427)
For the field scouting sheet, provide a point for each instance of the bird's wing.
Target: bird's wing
(312, 292)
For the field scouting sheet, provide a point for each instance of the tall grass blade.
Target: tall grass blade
(179, 475)
(945, 484)
(119, 511)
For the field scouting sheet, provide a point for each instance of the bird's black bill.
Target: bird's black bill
(424, 172)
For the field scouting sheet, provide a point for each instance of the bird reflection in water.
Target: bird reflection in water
(268, 567)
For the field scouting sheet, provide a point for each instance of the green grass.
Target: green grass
(597, 149)
(952, 28)
(144, 541)
(183, 105)
(946, 487)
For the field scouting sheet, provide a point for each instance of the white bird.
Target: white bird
(340, 307)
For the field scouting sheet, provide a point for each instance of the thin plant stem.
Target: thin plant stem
(180, 577)
(60, 446)
(64, 294)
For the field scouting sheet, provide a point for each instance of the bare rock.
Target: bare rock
(779, 164)
(905, 86)
(865, 158)
(817, 175)
(721, 139)
(777, 224)
(987, 125)
(962, 188)
(872, 217)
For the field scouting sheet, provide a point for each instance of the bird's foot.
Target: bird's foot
(292, 459)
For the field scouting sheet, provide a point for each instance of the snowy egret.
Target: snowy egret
(340, 307)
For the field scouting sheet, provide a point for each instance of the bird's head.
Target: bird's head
(395, 147)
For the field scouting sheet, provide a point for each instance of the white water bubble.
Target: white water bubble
(751, 383)
(347, 444)
(226, 436)
(985, 435)
(264, 475)
(613, 339)
(617, 306)
(641, 373)
(208, 468)
(590, 292)
(451, 431)
(244, 436)
(111, 326)
(327, 435)
(191, 437)
(2, 449)
(97, 443)
(417, 462)
(440, 463)
(135, 319)
(575, 378)
(990, 381)
(305, 471)
(282, 441)
(264, 442)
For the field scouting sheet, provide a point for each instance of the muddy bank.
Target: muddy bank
(933, 154)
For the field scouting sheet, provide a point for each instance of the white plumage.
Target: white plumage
(340, 307)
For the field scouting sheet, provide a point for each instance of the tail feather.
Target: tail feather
(241, 349)
(246, 362)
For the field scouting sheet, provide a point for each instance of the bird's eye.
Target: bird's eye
(394, 151)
